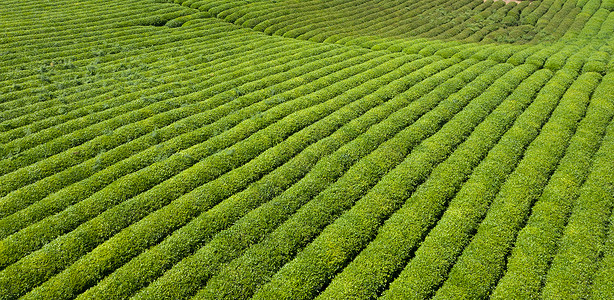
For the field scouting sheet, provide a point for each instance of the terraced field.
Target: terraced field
(300, 149)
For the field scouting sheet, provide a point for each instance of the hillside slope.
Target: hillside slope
(285, 149)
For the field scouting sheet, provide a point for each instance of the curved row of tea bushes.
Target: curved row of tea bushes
(541, 8)
(540, 56)
(308, 26)
(574, 266)
(566, 24)
(559, 59)
(376, 20)
(238, 164)
(293, 115)
(356, 8)
(455, 28)
(561, 19)
(260, 18)
(324, 173)
(221, 89)
(373, 18)
(263, 16)
(483, 260)
(434, 48)
(80, 15)
(415, 20)
(553, 9)
(257, 9)
(126, 244)
(427, 270)
(26, 73)
(181, 128)
(153, 15)
(307, 22)
(594, 19)
(308, 222)
(33, 166)
(385, 255)
(610, 65)
(490, 11)
(593, 25)
(489, 22)
(536, 243)
(582, 17)
(503, 53)
(412, 48)
(515, 35)
(69, 29)
(576, 62)
(292, 23)
(605, 33)
(123, 47)
(120, 54)
(419, 16)
(231, 48)
(523, 54)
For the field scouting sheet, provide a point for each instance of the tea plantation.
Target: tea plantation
(301, 149)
